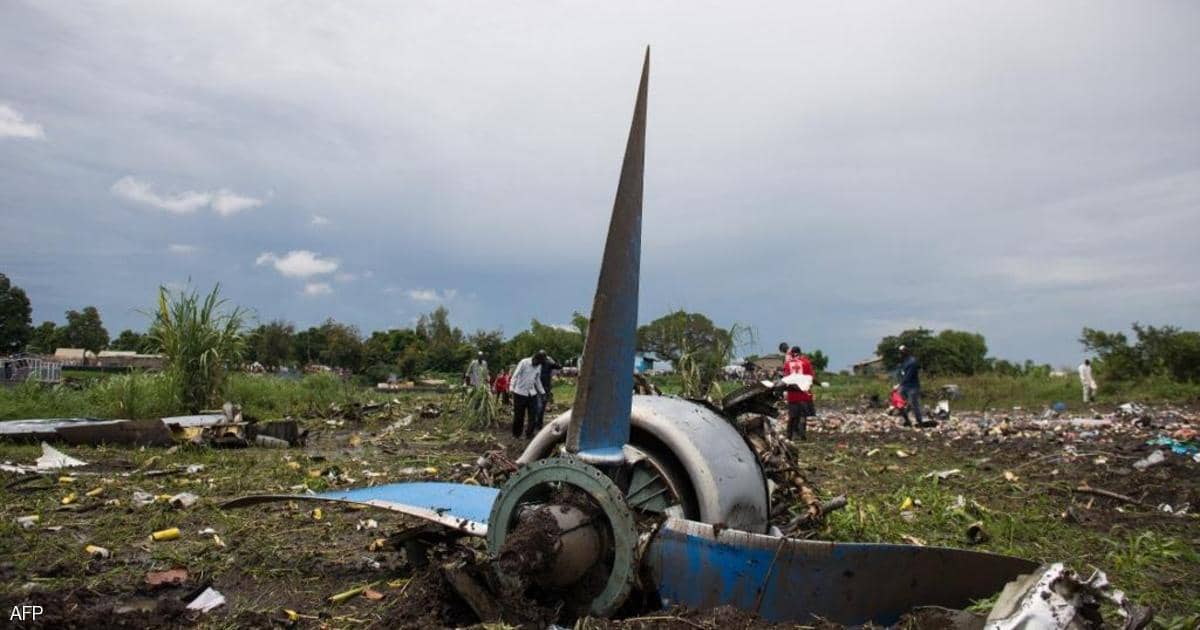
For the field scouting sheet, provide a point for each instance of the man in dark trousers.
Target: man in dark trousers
(799, 402)
(910, 386)
(526, 387)
(547, 375)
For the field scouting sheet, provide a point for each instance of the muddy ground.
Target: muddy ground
(279, 564)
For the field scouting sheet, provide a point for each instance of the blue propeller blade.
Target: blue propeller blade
(600, 416)
(457, 506)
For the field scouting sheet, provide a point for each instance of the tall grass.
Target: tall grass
(201, 341)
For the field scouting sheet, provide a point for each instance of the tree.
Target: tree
(128, 340)
(819, 359)
(949, 352)
(581, 322)
(559, 343)
(674, 334)
(889, 347)
(16, 323)
(491, 344)
(446, 349)
(271, 344)
(308, 345)
(85, 330)
(46, 338)
(1158, 351)
(343, 346)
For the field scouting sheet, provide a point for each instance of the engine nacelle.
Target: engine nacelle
(700, 456)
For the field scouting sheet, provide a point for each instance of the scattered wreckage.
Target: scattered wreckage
(226, 429)
(629, 502)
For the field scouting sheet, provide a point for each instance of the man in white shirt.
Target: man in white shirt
(527, 390)
(477, 372)
(1086, 381)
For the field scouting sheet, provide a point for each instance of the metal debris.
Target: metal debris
(1055, 597)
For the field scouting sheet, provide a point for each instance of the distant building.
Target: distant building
(869, 367)
(109, 359)
(643, 362)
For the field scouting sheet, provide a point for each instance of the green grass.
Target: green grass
(152, 395)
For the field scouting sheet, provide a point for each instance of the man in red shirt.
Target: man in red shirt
(799, 401)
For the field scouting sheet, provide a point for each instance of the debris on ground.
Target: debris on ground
(208, 600)
(1055, 597)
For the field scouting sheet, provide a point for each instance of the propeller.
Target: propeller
(600, 416)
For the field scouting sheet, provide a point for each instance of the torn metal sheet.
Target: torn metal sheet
(88, 431)
(53, 459)
(788, 579)
(35, 429)
(458, 506)
(1055, 597)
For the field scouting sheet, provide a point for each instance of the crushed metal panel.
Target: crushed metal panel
(150, 432)
(37, 429)
(458, 506)
(788, 579)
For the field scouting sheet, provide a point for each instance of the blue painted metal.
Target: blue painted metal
(458, 506)
(600, 424)
(793, 580)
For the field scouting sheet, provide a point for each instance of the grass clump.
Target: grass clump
(200, 340)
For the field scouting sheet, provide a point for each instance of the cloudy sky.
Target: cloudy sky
(825, 173)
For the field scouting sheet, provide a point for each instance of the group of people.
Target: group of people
(528, 386)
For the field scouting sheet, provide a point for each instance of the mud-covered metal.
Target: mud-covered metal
(602, 398)
(536, 483)
(721, 472)
(794, 580)
(457, 506)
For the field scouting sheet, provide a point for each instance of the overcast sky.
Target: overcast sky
(825, 173)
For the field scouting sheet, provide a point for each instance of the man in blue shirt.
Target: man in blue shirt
(910, 385)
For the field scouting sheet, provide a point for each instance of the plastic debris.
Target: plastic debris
(208, 600)
(97, 552)
(1156, 457)
(171, 533)
(28, 522)
(183, 500)
(941, 474)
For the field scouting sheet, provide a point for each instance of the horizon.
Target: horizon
(826, 175)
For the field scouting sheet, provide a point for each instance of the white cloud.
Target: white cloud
(319, 220)
(182, 249)
(431, 295)
(298, 263)
(317, 288)
(224, 202)
(14, 125)
(345, 276)
(138, 191)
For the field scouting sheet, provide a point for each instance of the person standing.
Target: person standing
(910, 386)
(500, 386)
(527, 391)
(547, 375)
(1086, 381)
(477, 372)
(800, 403)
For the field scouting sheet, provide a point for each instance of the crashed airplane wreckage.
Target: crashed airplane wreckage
(656, 499)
